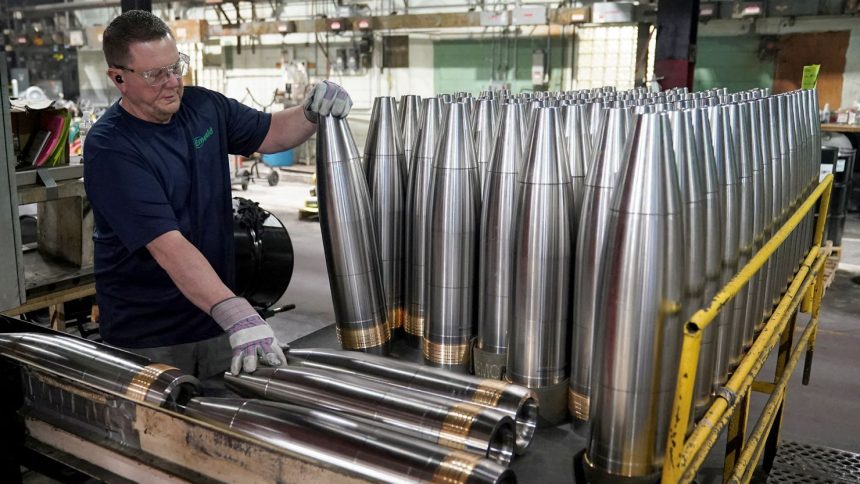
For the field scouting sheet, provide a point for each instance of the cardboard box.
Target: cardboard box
(190, 30)
(94, 36)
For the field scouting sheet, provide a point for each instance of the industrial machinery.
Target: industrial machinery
(264, 254)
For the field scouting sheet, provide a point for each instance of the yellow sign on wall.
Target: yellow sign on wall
(810, 76)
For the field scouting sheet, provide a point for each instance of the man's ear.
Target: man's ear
(115, 75)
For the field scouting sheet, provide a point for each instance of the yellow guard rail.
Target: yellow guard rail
(685, 454)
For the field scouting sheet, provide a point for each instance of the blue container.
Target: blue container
(284, 158)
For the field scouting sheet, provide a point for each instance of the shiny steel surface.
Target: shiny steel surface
(102, 367)
(417, 219)
(727, 170)
(793, 163)
(757, 210)
(590, 248)
(408, 118)
(462, 426)
(495, 293)
(452, 268)
(779, 115)
(544, 249)
(761, 139)
(595, 116)
(638, 338)
(740, 134)
(579, 151)
(356, 446)
(349, 242)
(515, 401)
(713, 255)
(691, 184)
(769, 117)
(484, 134)
(386, 182)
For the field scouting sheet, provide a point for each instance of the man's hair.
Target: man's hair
(130, 27)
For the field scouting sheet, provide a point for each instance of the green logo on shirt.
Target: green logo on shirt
(199, 140)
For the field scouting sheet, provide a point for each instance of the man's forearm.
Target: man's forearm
(289, 128)
(189, 270)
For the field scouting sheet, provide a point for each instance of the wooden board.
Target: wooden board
(840, 128)
(824, 48)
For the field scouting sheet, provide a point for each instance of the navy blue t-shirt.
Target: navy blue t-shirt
(145, 179)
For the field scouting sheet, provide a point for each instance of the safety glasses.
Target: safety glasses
(158, 76)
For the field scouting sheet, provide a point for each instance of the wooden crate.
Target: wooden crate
(832, 263)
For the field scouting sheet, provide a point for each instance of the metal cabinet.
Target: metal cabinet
(11, 266)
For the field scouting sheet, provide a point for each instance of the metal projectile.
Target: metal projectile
(794, 179)
(713, 257)
(739, 132)
(596, 113)
(417, 220)
(351, 445)
(386, 182)
(496, 267)
(484, 132)
(452, 245)
(102, 367)
(531, 109)
(409, 116)
(518, 402)
(638, 340)
(349, 241)
(752, 309)
(762, 159)
(485, 431)
(590, 248)
(726, 162)
(579, 153)
(771, 128)
(692, 185)
(538, 351)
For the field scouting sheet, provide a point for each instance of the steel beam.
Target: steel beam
(677, 28)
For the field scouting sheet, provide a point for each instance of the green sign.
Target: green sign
(810, 76)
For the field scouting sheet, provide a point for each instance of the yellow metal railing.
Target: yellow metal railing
(685, 454)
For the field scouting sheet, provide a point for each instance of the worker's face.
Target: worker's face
(151, 101)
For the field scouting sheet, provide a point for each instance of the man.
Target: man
(157, 176)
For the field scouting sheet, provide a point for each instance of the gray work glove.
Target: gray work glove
(327, 98)
(251, 337)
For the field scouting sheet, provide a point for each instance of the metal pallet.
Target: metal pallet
(803, 463)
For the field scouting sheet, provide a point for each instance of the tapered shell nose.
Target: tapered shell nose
(336, 144)
(456, 150)
(645, 191)
(409, 117)
(484, 131)
(610, 149)
(508, 148)
(546, 142)
(383, 135)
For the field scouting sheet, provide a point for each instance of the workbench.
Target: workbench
(840, 128)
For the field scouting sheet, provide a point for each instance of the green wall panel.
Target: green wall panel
(731, 62)
(466, 64)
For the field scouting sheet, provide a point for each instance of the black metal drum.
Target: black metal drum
(264, 254)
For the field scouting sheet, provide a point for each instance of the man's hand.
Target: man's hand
(250, 336)
(327, 98)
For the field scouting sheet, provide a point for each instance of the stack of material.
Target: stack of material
(611, 216)
(431, 429)
(386, 402)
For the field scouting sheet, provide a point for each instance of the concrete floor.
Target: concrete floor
(827, 412)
